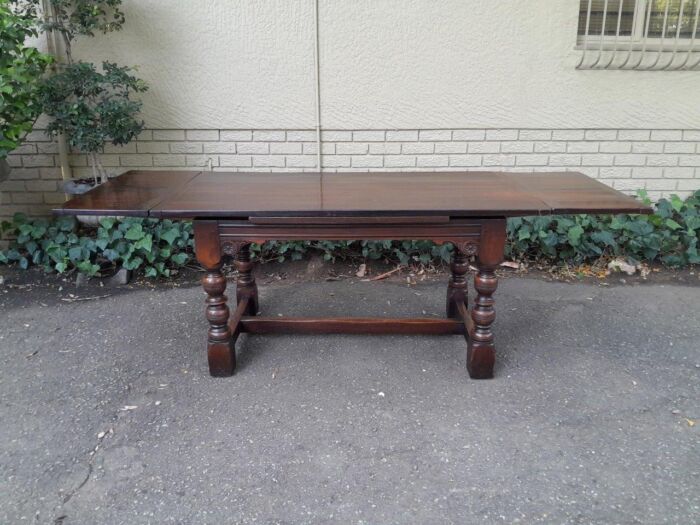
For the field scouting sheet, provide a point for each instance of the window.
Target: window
(635, 34)
(599, 13)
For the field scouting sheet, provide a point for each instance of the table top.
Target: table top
(192, 194)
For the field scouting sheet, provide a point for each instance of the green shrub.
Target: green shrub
(88, 106)
(669, 236)
(21, 68)
(93, 107)
(148, 245)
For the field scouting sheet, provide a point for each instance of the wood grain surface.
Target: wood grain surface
(179, 194)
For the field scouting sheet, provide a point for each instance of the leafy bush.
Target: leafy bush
(21, 67)
(90, 107)
(135, 244)
(93, 107)
(72, 18)
(670, 236)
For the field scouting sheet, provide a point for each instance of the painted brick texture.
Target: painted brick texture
(661, 161)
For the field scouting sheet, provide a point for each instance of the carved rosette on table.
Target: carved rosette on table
(469, 248)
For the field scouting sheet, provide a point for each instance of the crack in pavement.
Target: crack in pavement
(101, 436)
(92, 454)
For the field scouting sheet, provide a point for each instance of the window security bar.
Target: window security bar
(643, 35)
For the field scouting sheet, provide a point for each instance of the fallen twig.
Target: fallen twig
(74, 299)
(385, 274)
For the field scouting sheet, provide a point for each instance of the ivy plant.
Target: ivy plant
(669, 235)
(148, 245)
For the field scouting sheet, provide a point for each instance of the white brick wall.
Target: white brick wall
(661, 161)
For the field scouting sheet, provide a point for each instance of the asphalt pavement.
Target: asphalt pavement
(108, 414)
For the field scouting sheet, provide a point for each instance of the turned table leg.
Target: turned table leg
(481, 350)
(457, 286)
(220, 351)
(245, 285)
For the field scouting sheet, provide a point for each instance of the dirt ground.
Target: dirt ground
(316, 269)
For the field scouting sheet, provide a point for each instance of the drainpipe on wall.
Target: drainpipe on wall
(317, 79)
(52, 47)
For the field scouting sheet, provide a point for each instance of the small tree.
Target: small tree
(21, 68)
(90, 107)
(73, 18)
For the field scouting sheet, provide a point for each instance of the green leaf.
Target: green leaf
(574, 234)
(640, 227)
(134, 233)
(603, 237)
(75, 253)
(107, 222)
(144, 243)
(644, 196)
(523, 234)
(170, 235)
(110, 254)
(179, 258)
(672, 224)
(676, 202)
(31, 247)
(664, 208)
(550, 239)
(617, 223)
(88, 268)
(133, 263)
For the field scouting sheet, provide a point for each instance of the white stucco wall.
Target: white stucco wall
(384, 64)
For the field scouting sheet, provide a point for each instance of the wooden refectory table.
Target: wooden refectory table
(233, 210)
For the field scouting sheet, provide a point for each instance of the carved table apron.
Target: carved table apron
(233, 210)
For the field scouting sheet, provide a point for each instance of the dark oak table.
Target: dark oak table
(233, 210)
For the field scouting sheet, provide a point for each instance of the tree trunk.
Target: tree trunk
(93, 165)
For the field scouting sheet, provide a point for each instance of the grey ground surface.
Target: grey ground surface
(108, 415)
